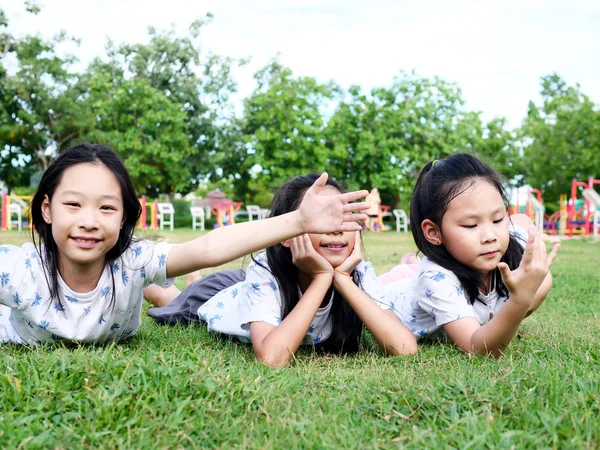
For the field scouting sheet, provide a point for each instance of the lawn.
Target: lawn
(178, 387)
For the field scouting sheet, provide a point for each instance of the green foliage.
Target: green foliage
(183, 217)
(284, 127)
(563, 136)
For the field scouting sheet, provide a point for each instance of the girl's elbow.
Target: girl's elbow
(404, 348)
(272, 359)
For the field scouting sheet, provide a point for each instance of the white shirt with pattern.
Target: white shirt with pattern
(258, 299)
(436, 297)
(28, 315)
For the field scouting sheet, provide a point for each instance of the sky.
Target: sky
(495, 51)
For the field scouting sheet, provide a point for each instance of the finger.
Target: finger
(350, 226)
(318, 184)
(294, 246)
(354, 217)
(504, 270)
(306, 244)
(529, 249)
(552, 256)
(357, 247)
(355, 195)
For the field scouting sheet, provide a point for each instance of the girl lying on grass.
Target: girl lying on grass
(483, 272)
(313, 289)
(83, 279)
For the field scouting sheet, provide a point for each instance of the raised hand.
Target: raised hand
(525, 280)
(353, 258)
(306, 258)
(330, 213)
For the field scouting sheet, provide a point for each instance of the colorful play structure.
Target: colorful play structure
(376, 223)
(225, 212)
(15, 205)
(576, 216)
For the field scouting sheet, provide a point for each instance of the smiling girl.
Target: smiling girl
(313, 289)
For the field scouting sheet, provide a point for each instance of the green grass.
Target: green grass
(177, 387)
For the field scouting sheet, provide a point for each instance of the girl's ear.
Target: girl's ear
(46, 210)
(431, 232)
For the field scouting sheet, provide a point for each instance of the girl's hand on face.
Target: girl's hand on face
(306, 258)
(353, 259)
(330, 213)
(525, 280)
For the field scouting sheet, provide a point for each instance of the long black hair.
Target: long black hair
(42, 231)
(438, 184)
(346, 325)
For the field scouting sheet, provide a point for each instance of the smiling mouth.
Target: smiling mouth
(85, 241)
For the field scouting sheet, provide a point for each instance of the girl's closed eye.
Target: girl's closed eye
(500, 220)
(108, 208)
(468, 226)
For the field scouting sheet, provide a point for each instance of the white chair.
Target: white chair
(197, 217)
(253, 210)
(401, 220)
(165, 209)
(264, 213)
(15, 208)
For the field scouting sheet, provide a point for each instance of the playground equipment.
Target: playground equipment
(15, 205)
(579, 214)
(254, 210)
(166, 215)
(376, 223)
(197, 217)
(224, 212)
(528, 200)
(401, 220)
(594, 200)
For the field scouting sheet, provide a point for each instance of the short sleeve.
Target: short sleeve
(440, 294)
(370, 284)
(261, 298)
(148, 260)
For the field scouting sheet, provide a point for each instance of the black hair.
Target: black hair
(346, 325)
(438, 184)
(81, 154)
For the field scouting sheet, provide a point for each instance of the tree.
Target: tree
(563, 138)
(200, 83)
(283, 125)
(146, 128)
(40, 112)
(382, 140)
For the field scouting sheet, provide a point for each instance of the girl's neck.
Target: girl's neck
(488, 283)
(81, 278)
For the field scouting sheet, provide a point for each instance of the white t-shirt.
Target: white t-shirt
(29, 316)
(436, 297)
(258, 299)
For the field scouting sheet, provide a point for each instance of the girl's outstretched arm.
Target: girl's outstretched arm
(523, 284)
(317, 214)
(389, 332)
(275, 346)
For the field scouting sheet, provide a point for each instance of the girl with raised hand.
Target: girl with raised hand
(483, 272)
(312, 289)
(83, 276)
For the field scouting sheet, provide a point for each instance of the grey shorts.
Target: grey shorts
(184, 308)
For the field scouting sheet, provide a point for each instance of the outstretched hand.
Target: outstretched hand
(331, 213)
(525, 280)
(306, 258)
(353, 258)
